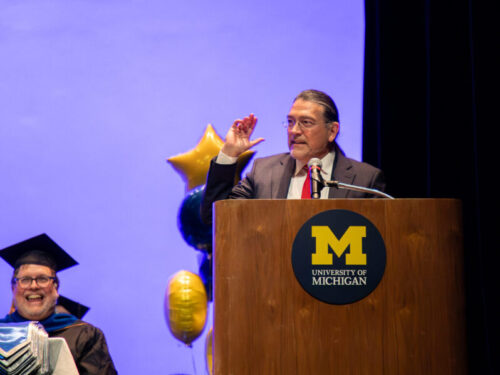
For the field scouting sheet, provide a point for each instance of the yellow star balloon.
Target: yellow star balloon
(193, 165)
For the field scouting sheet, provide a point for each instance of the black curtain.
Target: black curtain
(430, 82)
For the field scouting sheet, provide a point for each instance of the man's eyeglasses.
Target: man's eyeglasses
(303, 124)
(41, 281)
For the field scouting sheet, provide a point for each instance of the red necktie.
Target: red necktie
(306, 189)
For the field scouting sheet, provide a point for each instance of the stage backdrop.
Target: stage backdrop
(94, 96)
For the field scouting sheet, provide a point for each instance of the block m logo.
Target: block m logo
(352, 237)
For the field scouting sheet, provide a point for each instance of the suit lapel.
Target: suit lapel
(343, 173)
(281, 175)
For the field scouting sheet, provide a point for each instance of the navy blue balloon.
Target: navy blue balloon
(205, 273)
(193, 230)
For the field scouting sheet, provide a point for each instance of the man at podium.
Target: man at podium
(312, 127)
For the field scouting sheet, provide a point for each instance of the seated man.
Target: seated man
(35, 287)
(312, 127)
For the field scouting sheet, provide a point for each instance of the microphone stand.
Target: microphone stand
(318, 183)
(341, 185)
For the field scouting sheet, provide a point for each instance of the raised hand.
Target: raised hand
(238, 137)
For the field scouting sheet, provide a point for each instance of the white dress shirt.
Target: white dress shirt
(299, 177)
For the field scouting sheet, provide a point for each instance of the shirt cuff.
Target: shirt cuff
(222, 158)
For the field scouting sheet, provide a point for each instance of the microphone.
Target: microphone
(317, 182)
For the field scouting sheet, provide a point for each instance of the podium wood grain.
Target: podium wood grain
(265, 323)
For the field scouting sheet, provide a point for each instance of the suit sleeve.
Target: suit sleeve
(220, 185)
(378, 181)
(367, 176)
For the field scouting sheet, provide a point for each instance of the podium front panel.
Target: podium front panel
(266, 323)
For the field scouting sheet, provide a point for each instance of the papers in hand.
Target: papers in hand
(24, 349)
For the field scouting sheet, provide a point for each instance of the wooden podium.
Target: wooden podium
(266, 323)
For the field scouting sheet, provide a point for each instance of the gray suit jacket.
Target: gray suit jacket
(270, 178)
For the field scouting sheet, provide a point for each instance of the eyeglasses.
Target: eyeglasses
(41, 281)
(303, 124)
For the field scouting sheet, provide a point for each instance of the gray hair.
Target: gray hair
(330, 113)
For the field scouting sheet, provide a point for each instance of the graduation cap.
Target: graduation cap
(40, 250)
(74, 308)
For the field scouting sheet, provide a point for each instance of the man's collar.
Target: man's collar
(326, 164)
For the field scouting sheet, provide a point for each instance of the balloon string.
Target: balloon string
(192, 359)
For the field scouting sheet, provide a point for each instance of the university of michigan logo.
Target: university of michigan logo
(338, 256)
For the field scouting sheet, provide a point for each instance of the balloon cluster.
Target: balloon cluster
(187, 294)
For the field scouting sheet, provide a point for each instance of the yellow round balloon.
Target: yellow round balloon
(208, 351)
(193, 165)
(186, 306)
